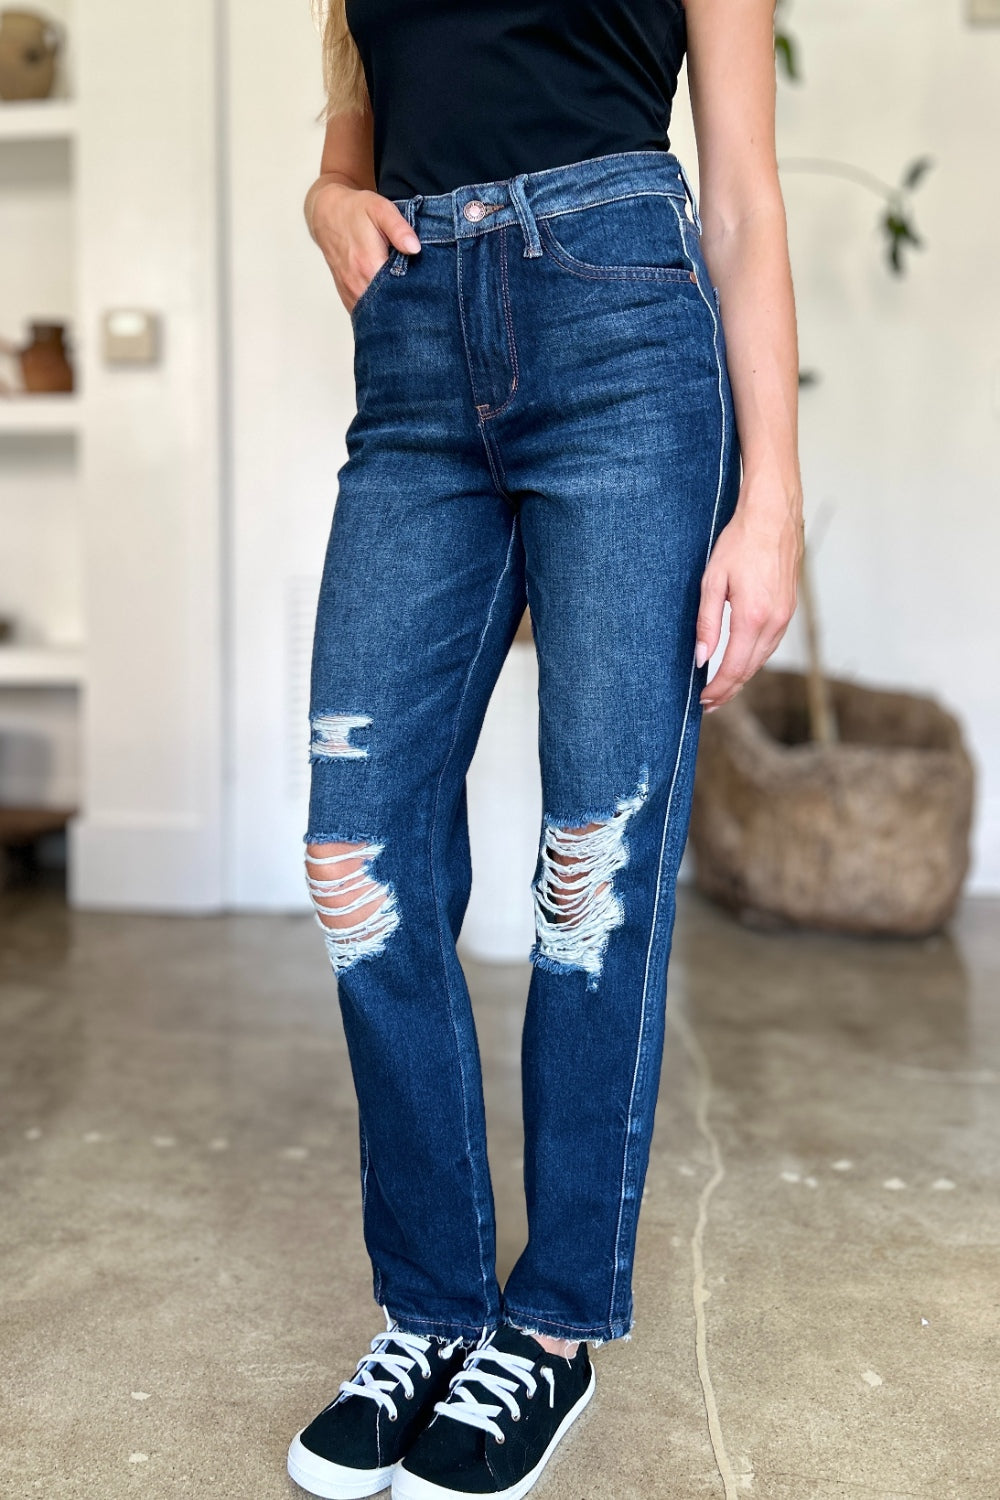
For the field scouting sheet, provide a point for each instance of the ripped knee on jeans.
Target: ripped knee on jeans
(356, 913)
(576, 905)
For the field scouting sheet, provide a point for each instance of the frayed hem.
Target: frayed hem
(540, 1329)
(542, 960)
(323, 837)
(426, 1328)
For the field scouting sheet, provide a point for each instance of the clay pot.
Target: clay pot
(44, 362)
(868, 835)
(29, 43)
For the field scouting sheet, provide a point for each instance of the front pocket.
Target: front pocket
(375, 282)
(638, 237)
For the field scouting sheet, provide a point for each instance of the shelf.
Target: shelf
(37, 120)
(41, 666)
(57, 413)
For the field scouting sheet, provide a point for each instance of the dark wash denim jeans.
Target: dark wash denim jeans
(544, 414)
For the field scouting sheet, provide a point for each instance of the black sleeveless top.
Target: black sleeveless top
(474, 92)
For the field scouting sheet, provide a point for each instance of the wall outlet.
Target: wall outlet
(130, 336)
(983, 12)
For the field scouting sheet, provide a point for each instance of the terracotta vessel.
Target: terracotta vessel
(44, 361)
(29, 44)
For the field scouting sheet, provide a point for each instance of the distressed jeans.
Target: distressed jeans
(544, 417)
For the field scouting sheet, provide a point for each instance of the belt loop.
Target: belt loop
(410, 210)
(691, 197)
(532, 244)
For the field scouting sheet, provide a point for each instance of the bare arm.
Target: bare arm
(755, 561)
(354, 226)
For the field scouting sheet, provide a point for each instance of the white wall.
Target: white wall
(148, 236)
(292, 397)
(901, 435)
(900, 442)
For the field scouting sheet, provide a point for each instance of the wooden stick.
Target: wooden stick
(822, 721)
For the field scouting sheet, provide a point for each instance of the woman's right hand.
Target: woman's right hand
(356, 229)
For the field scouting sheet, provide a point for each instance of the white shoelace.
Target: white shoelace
(396, 1365)
(463, 1406)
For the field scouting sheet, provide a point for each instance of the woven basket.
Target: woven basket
(868, 835)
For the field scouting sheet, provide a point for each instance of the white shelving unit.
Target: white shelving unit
(40, 413)
(41, 435)
(37, 120)
(41, 666)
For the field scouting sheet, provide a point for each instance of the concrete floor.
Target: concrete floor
(184, 1282)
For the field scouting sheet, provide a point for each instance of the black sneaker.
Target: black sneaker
(500, 1423)
(352, 1448)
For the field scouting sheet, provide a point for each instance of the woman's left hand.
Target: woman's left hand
(755, 565)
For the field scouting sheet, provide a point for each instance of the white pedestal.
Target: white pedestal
(505, 814)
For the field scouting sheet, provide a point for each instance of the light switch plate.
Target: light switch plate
(983, 12)
(130, 336)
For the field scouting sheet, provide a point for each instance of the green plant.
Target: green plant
(896, 218)
(786, 50)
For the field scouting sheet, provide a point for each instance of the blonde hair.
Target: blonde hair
(343, 74)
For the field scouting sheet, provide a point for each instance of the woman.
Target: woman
(547, 412)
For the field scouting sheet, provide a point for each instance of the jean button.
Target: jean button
(475, 210)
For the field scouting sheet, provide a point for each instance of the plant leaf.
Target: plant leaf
(916, 170)
(785, 51)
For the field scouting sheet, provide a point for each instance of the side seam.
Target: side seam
(627, 1154)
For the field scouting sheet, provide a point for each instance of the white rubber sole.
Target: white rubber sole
(333, 1481)
(407, 1486)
